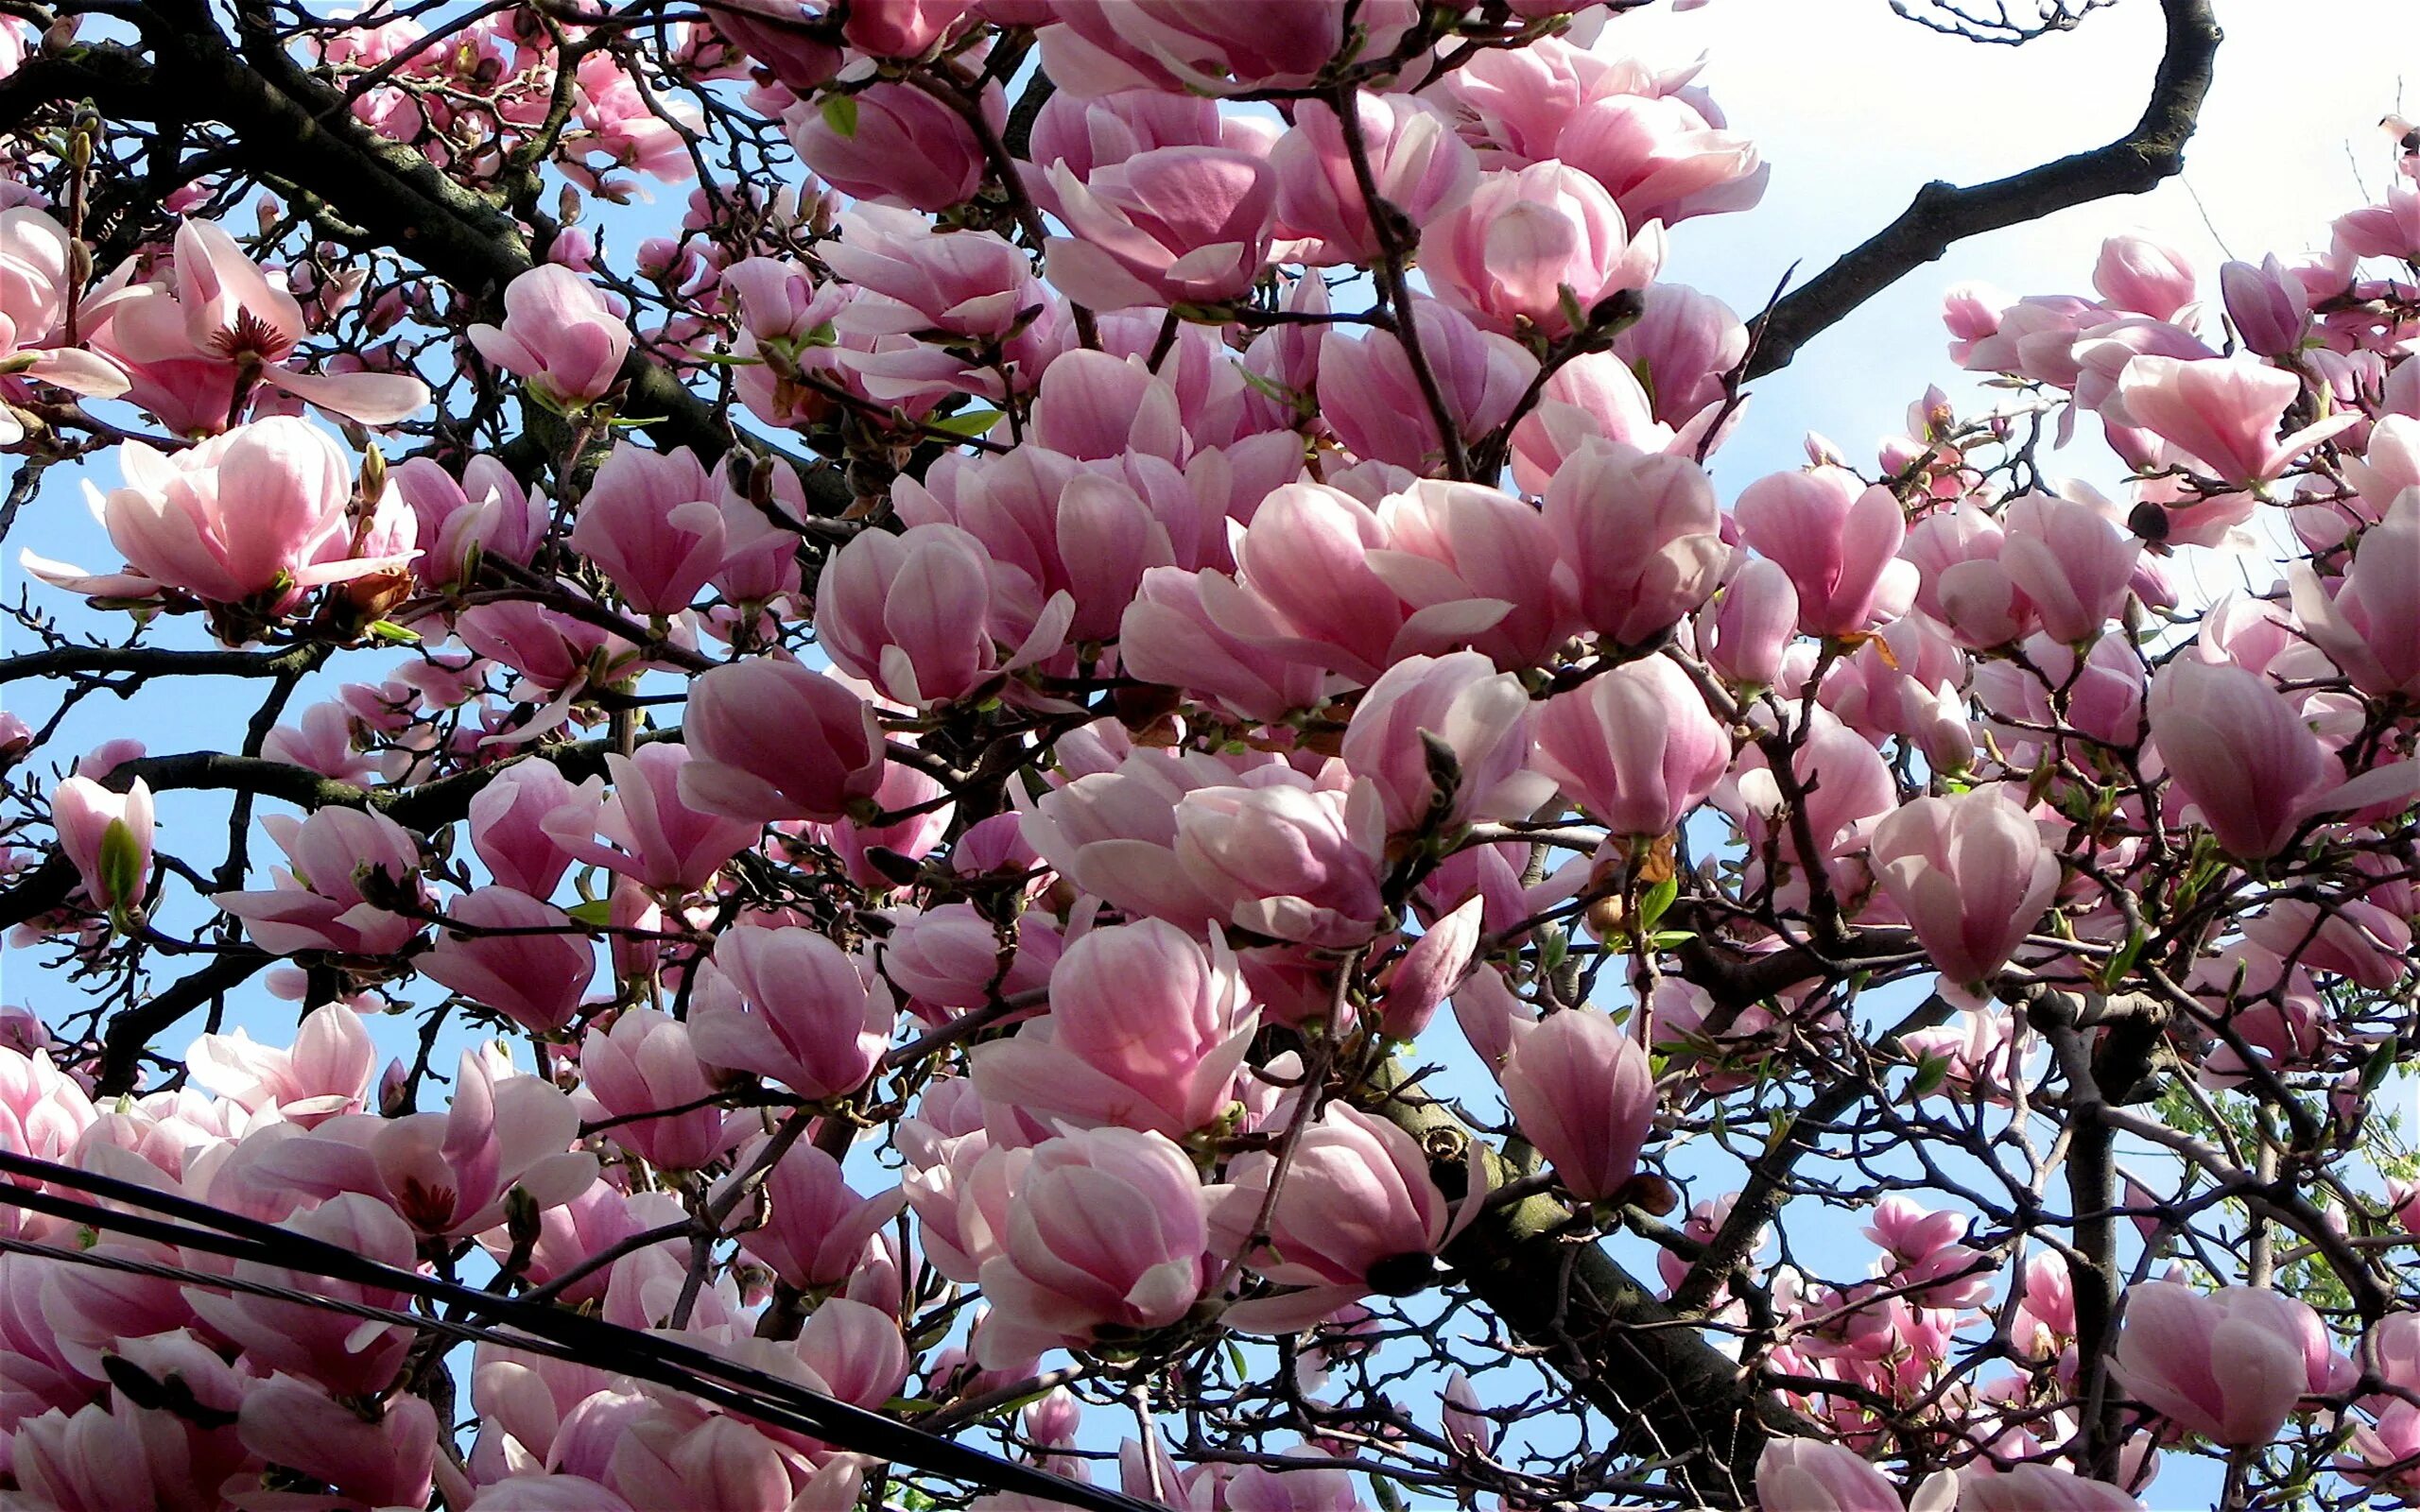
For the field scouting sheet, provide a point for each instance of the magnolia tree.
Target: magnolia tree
(905, 752)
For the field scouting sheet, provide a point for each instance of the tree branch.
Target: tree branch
(1944, 213)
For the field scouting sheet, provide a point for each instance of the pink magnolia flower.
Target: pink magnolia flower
(1808, 1475)
(789, 1006)
(341, 1352)
(507, 825)
(107, 1455)
(36, 280)
(650, 521)
(106, 836)
(262, 512)
(1637, 747)
(1290, 862)
(2073, 568)
(1452, 544)
(1100, 46)
(922, 614)
(2370, 626)
(2144, 276)
(1640, 534)
(448, 1174)
(900, 29)
(1419, 981)
(895, 144)
(2229, 1365)
(1167, 636)
(1579, 1088)
(387, 1460)
(1746, 630)
(1371, 399)
(1524, 242)
(1972, 875)
(559, 333)
(640, 1070)
(1466, 707)
(2269, 306)
(2039, 1489)
(318, 900)
(1061, 1278)
(660, 841)
(1170, 226)
(961, 283)
(818, 1226)
(1358, 1213)
(1146, 1030)
(193, 347)
(325, 1073)
(2240, 755)
(770, 739)
(1839, 540)
(533, 969)
(2221, 415)
(1416, 162)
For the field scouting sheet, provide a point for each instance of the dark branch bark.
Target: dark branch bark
(1944, 213)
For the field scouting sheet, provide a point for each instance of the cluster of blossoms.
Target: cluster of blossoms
(960, 930)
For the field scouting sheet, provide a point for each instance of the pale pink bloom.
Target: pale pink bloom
(559, 333)
(1749, 628)
(1146, 1030)
(1461, 544)
(1525, 243)
(534, 970)
(1846, 790)
(787, 1005)
(658, 839)
(1358, 1213)
(1062, 1277)
(948, 957)
(1637, 747)
(1641, 536)
(781, 35)
(2072, 567)
(901, 147)
(2391, 229)
(259, 512)
(922, 614)
(383, 1461)
(2240, 754)
(650, 523)
(508, 821)
(1286, 860)
(322, 741)
(2230, 1366)
(107, 1456)
(1459, 702)
(448, 1174)
(1101, 47)
(2370, 626)
(1839, 540)
(547, 1491)
(962, 282)
(1172, 226)
(35, 283)
(1581, 1088)
(872, 854)
(818, 1226)
(346, 1354)
(2040, 1488)
(770, 739)
(325, 1073)
(1310, 1483)
(1097, 407)
(1416, 162)
(1971, 874)
(1808, 1475)
(189, 346)
(2221, 416)
(1418, 983)
(642, 1065)
(2144, 276)
(106, 836)
(319, 902)
(1372, 399)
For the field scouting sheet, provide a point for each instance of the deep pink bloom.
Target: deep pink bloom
(1459, 701)
(507, 825)
(650, 521)
(1416, 162)
(818, 1228)
(895, 144)
(658, 838)
(2073, 567)
(387, 1460)
(1749, 628)
(535, 971)
(1100, 46)
(922, 614)
(1808, 1475)
(642, 1064)
(1640, 535)
(1371, 399)
(1291, 862)
(900, 29)
(341, 1352)
(770, 739)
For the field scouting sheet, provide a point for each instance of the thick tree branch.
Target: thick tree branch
(1944, 213)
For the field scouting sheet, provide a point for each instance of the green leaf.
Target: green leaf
(595, 914)
(1659, 898)
(966, 422)
(840, 113)
(1930, 1073)
(121, 865)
